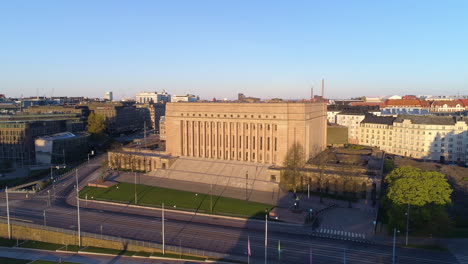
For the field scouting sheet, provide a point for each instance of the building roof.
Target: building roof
(353, 112)
(63, 135)
(427, 120)
(380, 104)
(403, 102)
(384, 120)
(449, 103)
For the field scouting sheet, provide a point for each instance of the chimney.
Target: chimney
(323, 88)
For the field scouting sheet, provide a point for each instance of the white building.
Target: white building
(155, 97)
(184, 98)
(109, 96)
(331, 116)
(351, 120)
(438, 138)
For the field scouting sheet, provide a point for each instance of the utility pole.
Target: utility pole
(246, 185)
(407, 223)
(163, 238)
(136, 198)
(8, 213)
(394, 242)
(78, 208)
(266, 236)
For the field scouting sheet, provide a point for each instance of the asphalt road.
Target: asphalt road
(201, 232)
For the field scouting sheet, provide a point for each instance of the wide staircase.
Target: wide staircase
(219, 173)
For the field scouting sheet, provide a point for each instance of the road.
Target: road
(199, 231)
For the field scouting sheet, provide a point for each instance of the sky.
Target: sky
(219, 48)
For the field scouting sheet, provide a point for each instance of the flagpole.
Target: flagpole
(279, 251)
(310, 253)
(248, 250)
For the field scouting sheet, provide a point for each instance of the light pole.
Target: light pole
(344, 256)
(8, 213)
(211, 197)
(407, 223)
(48, 195)
(101, 231)
(45, 222)
(394, 244)
(163, 238)
(78, 208)
(136, 196)
(308, 190)
(266, 235)
(246, 185)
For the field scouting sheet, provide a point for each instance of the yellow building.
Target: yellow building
(256, 132)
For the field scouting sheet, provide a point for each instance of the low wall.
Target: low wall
(27, 231)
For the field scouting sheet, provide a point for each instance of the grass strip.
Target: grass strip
(13, 261)
(109, 251)
(40, 245)
(5, 242)
(176, 199)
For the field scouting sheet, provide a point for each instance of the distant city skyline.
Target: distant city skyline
(218, 49)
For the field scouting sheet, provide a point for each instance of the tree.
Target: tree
(426, 192)
(96, 124)
(294, 162)
(410, 185)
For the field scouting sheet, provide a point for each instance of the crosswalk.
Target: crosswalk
(340, 234)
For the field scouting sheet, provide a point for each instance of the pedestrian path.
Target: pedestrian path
(340, 234)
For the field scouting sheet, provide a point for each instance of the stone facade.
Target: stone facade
(138, 160)
(254, 132)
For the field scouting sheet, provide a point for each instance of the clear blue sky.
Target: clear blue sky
(219, 48)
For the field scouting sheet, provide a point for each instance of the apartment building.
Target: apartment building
(438, 138)
(351, 120)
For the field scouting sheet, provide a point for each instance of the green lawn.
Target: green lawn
(108, 251)
(13, 261)
(41, 245)
(5, 242)
(175, 199)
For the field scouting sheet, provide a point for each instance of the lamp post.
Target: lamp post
(8, 213)
(407, 223)
(246, 185)
(45, 222)
(78, 208)
(163, 237)
(394, 245)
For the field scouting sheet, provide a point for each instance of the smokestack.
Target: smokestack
(323, 88)
(312, 93)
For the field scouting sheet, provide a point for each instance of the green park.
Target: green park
(175, 199)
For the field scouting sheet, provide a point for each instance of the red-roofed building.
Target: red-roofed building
(409, 97)
(447, 106)
(403, 103)
(379, 104)
(465, 102)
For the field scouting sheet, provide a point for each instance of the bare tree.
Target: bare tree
(294, 164)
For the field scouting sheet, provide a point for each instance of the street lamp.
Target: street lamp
(92, 153)
(394, 244)
(407, 223)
